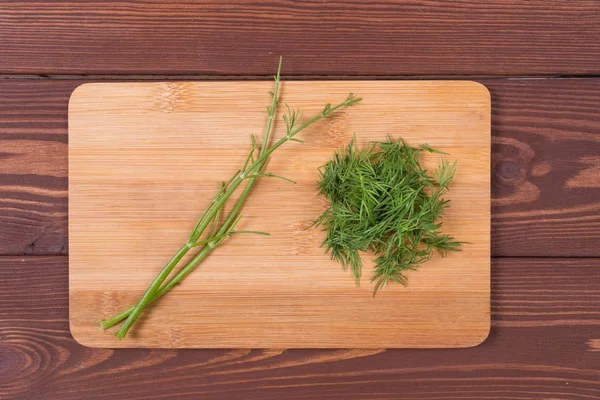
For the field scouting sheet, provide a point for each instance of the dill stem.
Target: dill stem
(185, 271)
(150, 294)
(156, 290)
(162, 291)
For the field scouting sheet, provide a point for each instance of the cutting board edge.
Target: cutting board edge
(81, 89)
(476, 341)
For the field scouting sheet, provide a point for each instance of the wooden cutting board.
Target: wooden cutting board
(145, 158)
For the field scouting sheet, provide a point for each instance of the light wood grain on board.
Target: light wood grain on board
(144, 159)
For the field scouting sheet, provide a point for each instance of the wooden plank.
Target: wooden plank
(33, 167)
(382, 37)
(545, 145)
(545, 168)
(133, 202)
(544, 344)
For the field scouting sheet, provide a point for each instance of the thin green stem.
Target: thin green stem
(228, 231)
(193, 236)
(163, 290)
(270, 175)
(207, 241)
(156, 289)
(272, 108)
(265, 155)
(190, 266)
(150, 292)
(251, 233)
(107, 323)
(218, 203)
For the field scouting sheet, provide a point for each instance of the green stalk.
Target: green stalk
(150, 292)
(156, 290)
(185, 271)
(206, 218)
(163, 290)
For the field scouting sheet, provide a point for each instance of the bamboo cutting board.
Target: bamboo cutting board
(145, 158)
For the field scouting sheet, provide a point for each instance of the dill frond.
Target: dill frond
(382, 201)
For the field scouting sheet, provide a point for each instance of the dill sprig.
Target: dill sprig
(209, 232)
(382, 201)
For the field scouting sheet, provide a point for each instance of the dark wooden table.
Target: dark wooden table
(541, 61)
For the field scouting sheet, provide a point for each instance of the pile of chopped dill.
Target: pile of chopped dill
(382, 201)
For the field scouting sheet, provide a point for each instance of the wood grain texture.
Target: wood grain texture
(545, 133)
(545, 168)
(33, 167)
(545, 339)
(381, 37)
(543, 345)
(133, 199)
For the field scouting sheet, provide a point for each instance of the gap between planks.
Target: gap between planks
(186, 77)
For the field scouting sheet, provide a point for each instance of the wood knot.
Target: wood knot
(24, 361)
(48, 243)
(334, 134)
(510, 171)
(305, 239)
(175, 337)
(172, 97)
(512, 166)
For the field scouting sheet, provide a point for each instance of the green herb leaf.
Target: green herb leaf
(382, 201)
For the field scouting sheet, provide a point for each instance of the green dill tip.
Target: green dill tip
(382, 201)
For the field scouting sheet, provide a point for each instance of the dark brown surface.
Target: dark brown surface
(378, 37)
(545, 337)
(546, 158)
(544, 344)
